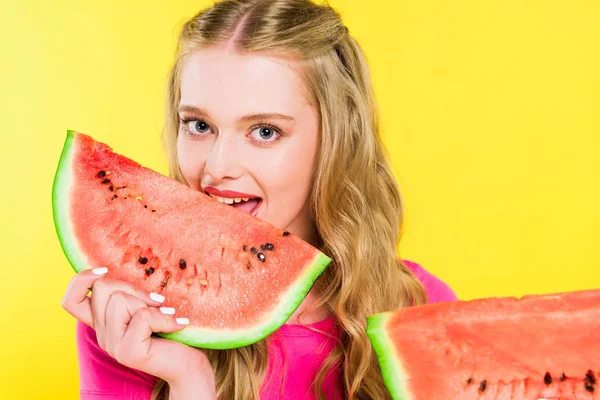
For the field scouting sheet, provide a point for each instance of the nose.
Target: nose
(222, 161)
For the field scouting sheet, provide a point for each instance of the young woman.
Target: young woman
(271, 99)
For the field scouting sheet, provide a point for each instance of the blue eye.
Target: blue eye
(265, 134)
(197, 126)
(201, 126)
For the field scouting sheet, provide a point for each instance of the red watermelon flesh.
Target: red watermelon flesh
(236, 277)
(536, 347)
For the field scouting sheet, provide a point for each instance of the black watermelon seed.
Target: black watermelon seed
(286, 233)
(589, 387)
(145, 206)
(142, 260)
(101, 174)
(163, 284)
(261, 257)
(114, 197)
(482, 386)
(590, 378)
(470, 380)
(268, 246)
(106, 181)
(253, 250)
(182, 264)
(244, 248)
(149, 271)
(547, 378)
(563, 377)
(111, 188)
(153, 210)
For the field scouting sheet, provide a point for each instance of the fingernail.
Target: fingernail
(167, 310)
(182, 321)
(100, 271)
(157, 297)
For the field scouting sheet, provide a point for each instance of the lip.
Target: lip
(230, 194)
(255, 210)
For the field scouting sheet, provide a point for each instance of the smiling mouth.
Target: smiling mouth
(249, 205)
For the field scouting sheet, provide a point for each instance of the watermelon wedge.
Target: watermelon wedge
(536, 347)
(235, 277)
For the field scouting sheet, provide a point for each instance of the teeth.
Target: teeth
(228, 200)
(224, 200)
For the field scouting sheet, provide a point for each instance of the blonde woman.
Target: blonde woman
(269, 100)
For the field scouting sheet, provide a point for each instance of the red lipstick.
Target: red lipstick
(231, 194)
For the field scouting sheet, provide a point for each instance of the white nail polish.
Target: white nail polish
(182, 321)
(167, 310)
(100, 271)
(157, 297)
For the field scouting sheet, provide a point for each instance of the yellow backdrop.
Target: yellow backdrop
(491, 111)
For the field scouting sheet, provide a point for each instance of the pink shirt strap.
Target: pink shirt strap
(437, 291)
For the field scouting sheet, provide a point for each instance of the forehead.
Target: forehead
(220, 79)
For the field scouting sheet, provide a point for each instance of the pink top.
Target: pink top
(295, 355)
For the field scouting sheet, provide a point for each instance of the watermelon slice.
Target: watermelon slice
(537, 347)
(235, 277)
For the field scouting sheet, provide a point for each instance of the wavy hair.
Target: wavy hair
(355, 201)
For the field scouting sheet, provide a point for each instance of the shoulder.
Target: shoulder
(436, 289)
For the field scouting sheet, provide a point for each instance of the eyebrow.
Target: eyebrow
(250, 117)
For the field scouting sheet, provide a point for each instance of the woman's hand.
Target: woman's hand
(124, 319)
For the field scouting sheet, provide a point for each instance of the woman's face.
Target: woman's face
(247, 128)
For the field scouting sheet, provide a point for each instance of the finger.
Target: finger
(76, 301)
(120, 309)
(149, 320)
(103, 290)
(136, 347)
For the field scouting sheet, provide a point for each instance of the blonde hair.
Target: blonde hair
(355, 200)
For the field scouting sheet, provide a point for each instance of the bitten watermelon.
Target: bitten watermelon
(234, 276)
(536, 347)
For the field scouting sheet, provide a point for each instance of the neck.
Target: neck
(306, 313)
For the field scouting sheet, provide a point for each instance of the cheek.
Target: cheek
(289, 175)
(191, 162)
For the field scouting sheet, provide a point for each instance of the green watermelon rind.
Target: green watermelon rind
(394, 375)
(192, 336)
(61, 206)
(286, 307)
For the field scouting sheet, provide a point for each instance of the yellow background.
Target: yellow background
(491, 111)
